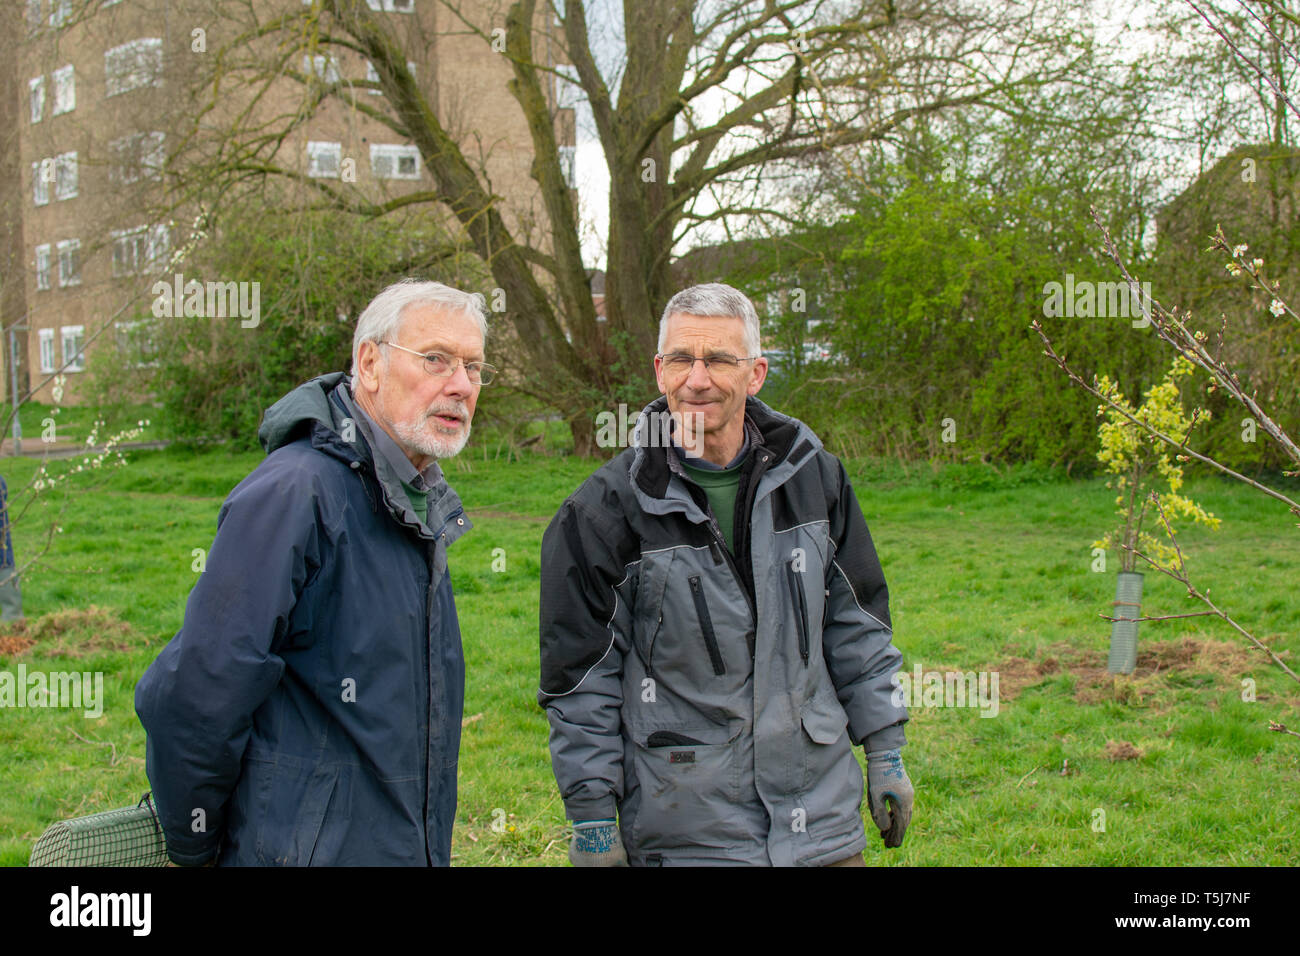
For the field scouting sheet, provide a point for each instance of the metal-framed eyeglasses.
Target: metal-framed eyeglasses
(679, 363)
(441, 365)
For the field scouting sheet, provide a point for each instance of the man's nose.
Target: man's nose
(698, 378)
(458, 383)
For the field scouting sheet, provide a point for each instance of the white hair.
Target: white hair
(382, 318)
(714, 299)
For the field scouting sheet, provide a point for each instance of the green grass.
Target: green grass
(74, 422)
(984, 574)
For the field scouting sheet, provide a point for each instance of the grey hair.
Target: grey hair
(382, 318)
(714, 299)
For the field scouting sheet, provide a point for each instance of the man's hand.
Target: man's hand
(888, 781)
(597, 843)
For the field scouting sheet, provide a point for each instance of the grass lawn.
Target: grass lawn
(1178, 768)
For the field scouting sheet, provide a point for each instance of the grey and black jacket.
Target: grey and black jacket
(713, 699)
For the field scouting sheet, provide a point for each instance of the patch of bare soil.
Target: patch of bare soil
(71, 632)
(1156, 662)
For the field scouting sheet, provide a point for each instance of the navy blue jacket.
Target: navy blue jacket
(308, 712)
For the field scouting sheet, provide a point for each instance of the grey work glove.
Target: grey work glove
(597, 843)
(888, 781)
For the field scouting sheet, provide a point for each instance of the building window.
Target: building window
(135, 341)
(137, 156)
(394, 162)
(33, 15)
(43, 266)
(568, 163)
(74, 358)
(69, 262)
(392, 6)
(142, 249)
(65, 176)
(133, 65)
(46, 338)
(42, 174)
(323, 159)
(322, 66)
(65, 90)
(36, 90)
(129, 250)
(60, 12)
(373, 75)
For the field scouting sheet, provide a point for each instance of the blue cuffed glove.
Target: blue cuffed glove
(888, 781)
(597, 843)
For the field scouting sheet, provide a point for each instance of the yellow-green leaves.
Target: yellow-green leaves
(1141, 463)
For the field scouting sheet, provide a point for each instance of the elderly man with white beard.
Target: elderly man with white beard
(308, 712)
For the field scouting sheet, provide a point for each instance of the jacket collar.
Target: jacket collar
(789, 441)
(318, 408)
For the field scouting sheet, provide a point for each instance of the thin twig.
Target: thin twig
(1050, 352)
(112, 759)
(1163, 617)
(1281, 728)
(1192, 592)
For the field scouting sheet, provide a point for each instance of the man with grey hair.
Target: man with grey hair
(715, 631)
(308, 712)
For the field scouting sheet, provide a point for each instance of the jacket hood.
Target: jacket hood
(308, 403)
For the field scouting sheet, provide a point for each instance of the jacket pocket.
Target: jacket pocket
(825, 742)
(684, 794)
(800, 605)
(706, 626)
(295, 798)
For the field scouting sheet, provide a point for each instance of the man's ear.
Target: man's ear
(757, 376)
(366, 372)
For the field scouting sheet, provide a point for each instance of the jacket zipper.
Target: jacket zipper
(721, 554)
(428, 695)
(800, 609)
(706, 625)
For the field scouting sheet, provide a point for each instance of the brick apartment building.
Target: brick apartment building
(90, 109)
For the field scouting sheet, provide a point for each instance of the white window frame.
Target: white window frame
(65, 176)
(391, 6)
(133, 65)
(36, 97)
(42, 173)
(319, 153)
(43, 267)
(75, 362)
(568, 156)
(35, 17)
(65, 90)
(129, 253)
(69, 276)
(137, 156)
(373, 75)
(159, 246)
(45, 338)
(322, 66)
(391, 155)
(141, 331)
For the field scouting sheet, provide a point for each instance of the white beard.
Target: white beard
(413, 434)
